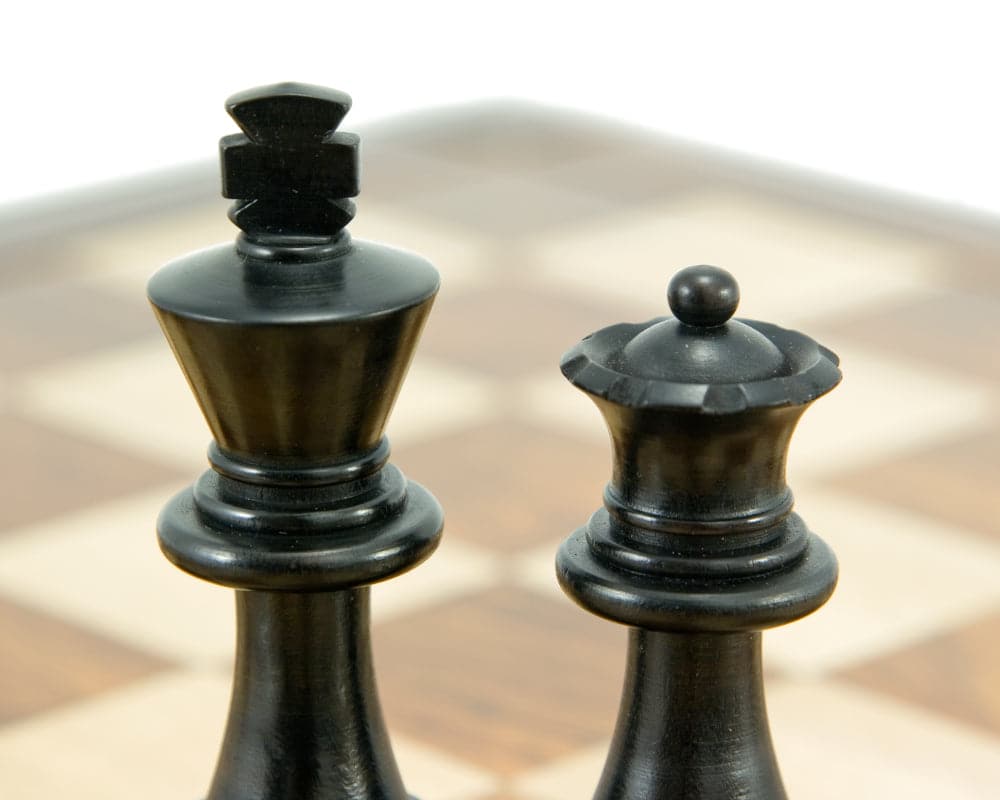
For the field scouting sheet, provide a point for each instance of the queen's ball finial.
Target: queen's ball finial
(703, 296)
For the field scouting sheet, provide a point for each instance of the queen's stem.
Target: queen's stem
(692, 723)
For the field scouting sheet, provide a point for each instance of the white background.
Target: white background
(898, 94)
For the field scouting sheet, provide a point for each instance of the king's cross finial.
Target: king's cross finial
(290, 170)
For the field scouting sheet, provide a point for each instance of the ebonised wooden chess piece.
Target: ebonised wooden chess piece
(295, 341)
(696, 546)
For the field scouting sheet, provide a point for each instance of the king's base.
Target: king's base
(305, 721)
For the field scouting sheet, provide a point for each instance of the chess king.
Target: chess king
(295, 340)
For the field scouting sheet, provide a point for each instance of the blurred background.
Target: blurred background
(558, 162)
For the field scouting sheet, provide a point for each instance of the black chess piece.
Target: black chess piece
(696, 547)
(295, 341)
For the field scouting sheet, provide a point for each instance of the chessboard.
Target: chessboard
(545, 225)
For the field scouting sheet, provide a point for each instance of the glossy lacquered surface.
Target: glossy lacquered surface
(300, 360)
(696, 546)
(295, 340)
(723, 748)
(295, 732)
